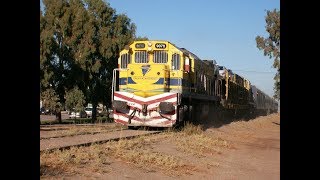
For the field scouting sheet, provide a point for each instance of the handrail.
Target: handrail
(113, 82)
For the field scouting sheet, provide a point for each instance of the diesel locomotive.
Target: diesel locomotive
(158, 84)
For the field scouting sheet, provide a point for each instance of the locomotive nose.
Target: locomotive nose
(148, 79)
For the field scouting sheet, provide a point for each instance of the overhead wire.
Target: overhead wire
(253, 71)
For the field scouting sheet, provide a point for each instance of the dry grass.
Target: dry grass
(193, 140)
(200, 145)
(59, 162)
(136, 151)
(139, 153)
(51, 164)
(191, 129)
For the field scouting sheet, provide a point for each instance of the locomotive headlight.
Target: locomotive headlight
(166, 107)
(149, 44)
(120, 106)
(149, 48)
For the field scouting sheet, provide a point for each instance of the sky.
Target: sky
(211, 29)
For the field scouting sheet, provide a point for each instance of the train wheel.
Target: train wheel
(191, 113)
(183, 113)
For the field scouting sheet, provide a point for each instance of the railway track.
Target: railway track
(76, 134)
(66, 142)
(62, 126)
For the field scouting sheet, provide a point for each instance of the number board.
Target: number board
(160, 45)
(140, 45)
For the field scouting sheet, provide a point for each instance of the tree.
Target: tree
(75, 99)
(271, 45)
(106, 33)
(139, 38)
(79, 45)
(50, 101)
(55, 56)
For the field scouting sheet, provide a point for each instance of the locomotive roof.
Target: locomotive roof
(181, 49)
(188, 52)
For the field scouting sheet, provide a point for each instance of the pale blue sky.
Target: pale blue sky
(211, 29)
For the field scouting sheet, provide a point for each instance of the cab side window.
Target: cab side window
(175, 62)
(125, 60)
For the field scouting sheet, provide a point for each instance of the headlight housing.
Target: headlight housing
(166, 107)
(120, 106)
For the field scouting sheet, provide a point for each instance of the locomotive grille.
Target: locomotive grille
(141, 57)
(160, 57)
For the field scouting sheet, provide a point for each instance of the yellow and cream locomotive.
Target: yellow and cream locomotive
(159, 84)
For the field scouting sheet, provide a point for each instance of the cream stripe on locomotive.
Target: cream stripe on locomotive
(152, 120)
(153, 101)
(148, 121)
(150, 105)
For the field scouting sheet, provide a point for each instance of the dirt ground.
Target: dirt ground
(239, 150)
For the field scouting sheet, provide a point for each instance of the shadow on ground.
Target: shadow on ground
(218, 117)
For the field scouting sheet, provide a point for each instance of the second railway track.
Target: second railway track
(88, 139)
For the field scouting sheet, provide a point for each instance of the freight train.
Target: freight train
(158, 84)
